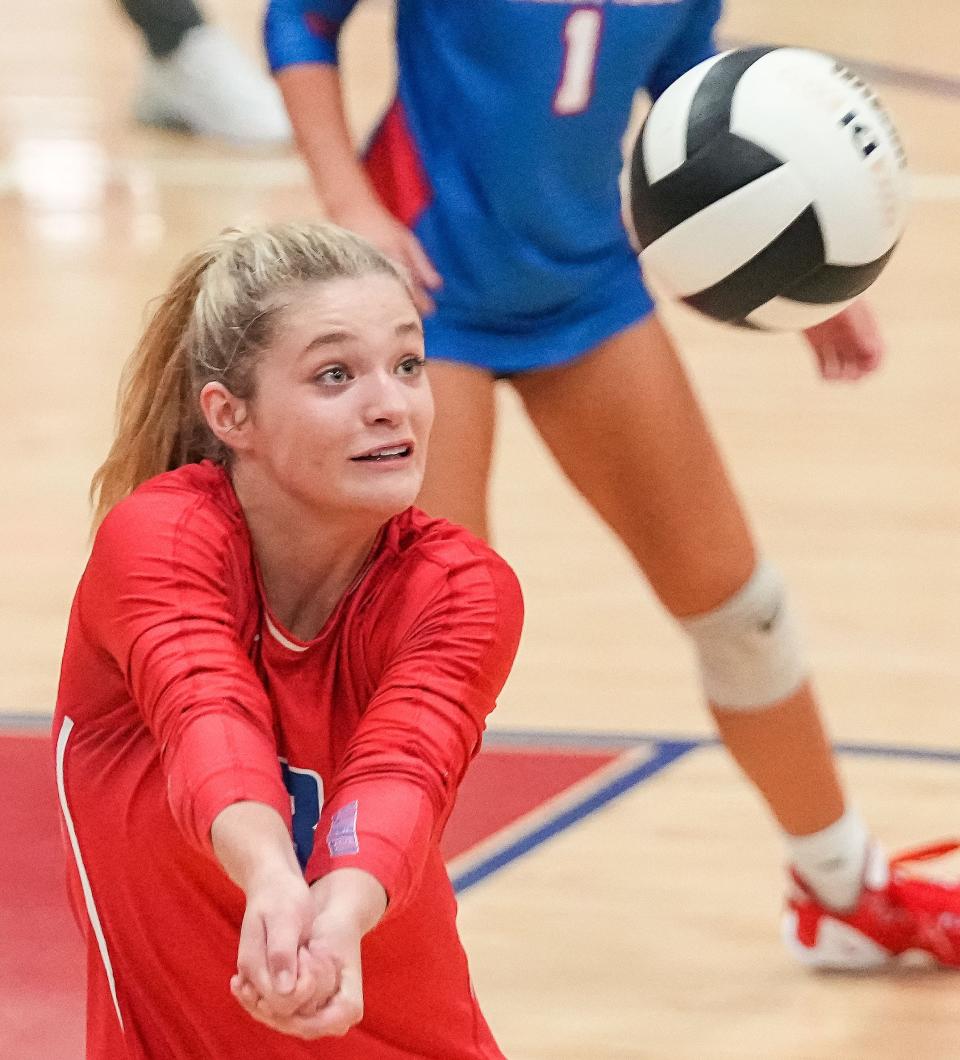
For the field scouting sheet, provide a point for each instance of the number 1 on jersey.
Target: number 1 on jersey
(581, 41)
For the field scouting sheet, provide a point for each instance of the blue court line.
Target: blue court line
(667, 752)
(544, 738)
(30, 723)
(905, 77)
(908, 77)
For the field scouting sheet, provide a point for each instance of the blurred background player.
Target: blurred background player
(494, 178)
(196, 78)
(268, 641)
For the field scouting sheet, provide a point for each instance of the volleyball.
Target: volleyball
(767, 187)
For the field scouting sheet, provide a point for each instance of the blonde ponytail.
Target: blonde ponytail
(213, 323)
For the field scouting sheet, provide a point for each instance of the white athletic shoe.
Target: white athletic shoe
(897, 914)
(210, 87)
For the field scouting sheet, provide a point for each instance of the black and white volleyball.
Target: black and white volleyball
(767, 187)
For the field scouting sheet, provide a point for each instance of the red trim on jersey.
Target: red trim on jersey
(321, 26)
(395, 168)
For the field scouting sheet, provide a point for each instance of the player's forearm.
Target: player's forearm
(214, 756)
(351, 897)
(384, 826)
(251, 842)
(314, 101)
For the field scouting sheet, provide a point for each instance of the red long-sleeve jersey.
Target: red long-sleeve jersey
(181, 693)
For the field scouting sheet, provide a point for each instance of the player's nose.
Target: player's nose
(385, 399)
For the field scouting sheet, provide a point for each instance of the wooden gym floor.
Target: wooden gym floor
(626, 903)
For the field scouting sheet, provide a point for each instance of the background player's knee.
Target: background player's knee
(749, 647)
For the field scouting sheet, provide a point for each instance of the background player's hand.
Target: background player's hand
(849, 345)
(373, 222)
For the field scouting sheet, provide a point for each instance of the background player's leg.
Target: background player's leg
(198, 80)
(458, 465)
(163, 24)
(627, 430)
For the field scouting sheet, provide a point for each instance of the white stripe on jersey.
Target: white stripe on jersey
(278, 635)
(92, 913)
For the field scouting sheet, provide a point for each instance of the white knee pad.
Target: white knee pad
(749, 647)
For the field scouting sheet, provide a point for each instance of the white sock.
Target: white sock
(834, 861)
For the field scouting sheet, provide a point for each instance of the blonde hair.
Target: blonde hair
(213, 323)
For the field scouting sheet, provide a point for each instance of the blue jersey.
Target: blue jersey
(503, 151)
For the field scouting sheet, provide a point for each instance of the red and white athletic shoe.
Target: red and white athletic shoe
(894, 916)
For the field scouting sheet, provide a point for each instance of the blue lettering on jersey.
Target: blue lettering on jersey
(306, 800)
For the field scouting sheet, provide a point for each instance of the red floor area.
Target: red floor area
(503, 785)
(41, 961)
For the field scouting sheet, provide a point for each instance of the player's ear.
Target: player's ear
(224, 412)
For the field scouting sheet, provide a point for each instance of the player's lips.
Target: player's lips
(398, 451)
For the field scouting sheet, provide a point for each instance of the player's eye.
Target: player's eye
(332, 376)
(411, 366)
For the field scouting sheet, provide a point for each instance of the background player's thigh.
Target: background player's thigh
(458, 463)
(627, 429)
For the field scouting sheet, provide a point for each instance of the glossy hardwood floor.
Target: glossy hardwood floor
(649, 929)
